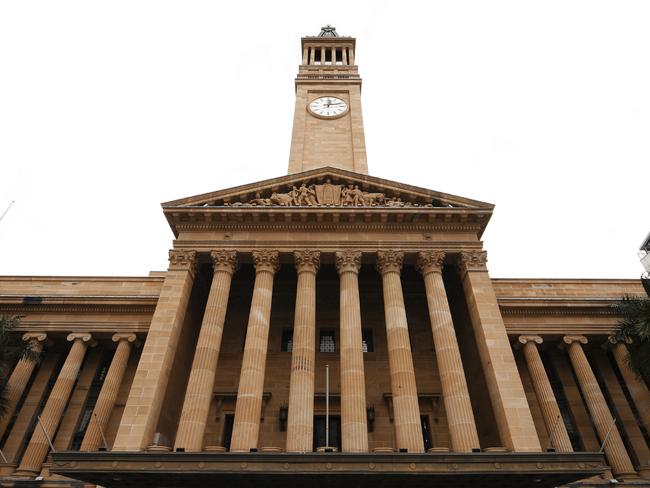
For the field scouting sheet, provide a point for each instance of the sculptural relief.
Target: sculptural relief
(327, 194)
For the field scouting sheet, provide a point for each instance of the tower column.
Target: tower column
(39, 446)
(19, 378)
(354, 422)
(545, 396)
(637, 388)
(600, 414)
(245, 432)
(196, 406)
(512, 413)
(408, 427)
(149, 386)
(108, 394)
(300, 422)
(344, 54)
(455, 395)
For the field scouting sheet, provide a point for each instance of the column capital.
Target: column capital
(570, 339)
(82, 336)
(34, 337)
(430, 262)
(613, 340)
(307, 260)
(348, 261)
(182, 260)
(223, 260)
(525, 339)
(472, 261)
(131, 337)
(389, 261)
(266, 260)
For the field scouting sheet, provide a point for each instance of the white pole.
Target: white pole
(47, 436)
(101, 431)
(5, 212)
(607, 436)
(327, 405)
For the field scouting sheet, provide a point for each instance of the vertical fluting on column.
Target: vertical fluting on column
(19, 378)
(545, 397)
(142, 411)
(93, 438)
(455, 395)
(637, 388)
(300, 422)
(354, 421)
(198, 395)
(38, 446)
(248, 410)
(511, 410)
(602, 418)
(408, 427)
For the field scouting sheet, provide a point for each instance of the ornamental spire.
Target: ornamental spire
(328, 31)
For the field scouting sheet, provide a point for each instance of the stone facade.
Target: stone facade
(214, 370)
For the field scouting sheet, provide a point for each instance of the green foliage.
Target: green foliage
(11, 349)
(634, 330)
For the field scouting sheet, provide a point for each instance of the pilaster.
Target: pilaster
(514, 420)
(149, 385)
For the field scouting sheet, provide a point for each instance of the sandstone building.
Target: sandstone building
(213, 373)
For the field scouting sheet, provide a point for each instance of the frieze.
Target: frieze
(326, 194)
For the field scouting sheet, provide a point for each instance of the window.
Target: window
(327, 341)
(366, 340)
(287, 340)
(426, 432)
(228, 422)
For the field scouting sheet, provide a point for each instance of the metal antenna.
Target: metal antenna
(47, 436)
(327, 405)
(5, 212)
(101, 431)
(607, 436)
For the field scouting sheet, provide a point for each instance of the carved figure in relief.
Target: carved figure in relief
(327, 194)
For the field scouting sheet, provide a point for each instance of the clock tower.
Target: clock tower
(327, 123)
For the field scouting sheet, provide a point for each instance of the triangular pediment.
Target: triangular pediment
(328, 187)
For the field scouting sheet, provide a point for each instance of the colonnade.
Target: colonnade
(517, 433)
(512, 414)
(599, 411)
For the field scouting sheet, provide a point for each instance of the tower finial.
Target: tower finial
(328, 31)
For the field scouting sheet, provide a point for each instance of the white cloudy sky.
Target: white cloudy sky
(109, 108)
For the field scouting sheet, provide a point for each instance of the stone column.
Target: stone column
(106, 401)
(245, 432)
(406, 411)
(600, 415)
(305, 50)
(344, 54)
(149, 385)
(38, 446)
(300, 422)
(312, 55)
(354, 420)
(545, 397)
(198, 395)
(20, 376)
(511, 411)
(455, 395)
(637, 388)
(322, 56)
(351, 56)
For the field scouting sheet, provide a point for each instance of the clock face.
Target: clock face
(328, 107)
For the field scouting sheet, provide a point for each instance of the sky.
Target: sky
(108, 109)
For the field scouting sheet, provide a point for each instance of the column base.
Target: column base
(7, 469)
(25, 474)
